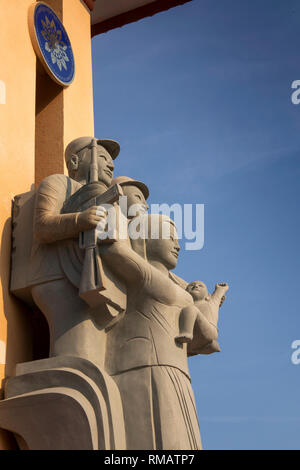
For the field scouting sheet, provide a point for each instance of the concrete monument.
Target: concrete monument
(121, 324)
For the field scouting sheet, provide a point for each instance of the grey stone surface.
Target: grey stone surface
(142, 355)
(122, 325)
(84, 378)
(55, 418)
(65, 255)
(103, 382)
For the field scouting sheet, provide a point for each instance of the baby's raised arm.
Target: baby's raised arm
(218, 295)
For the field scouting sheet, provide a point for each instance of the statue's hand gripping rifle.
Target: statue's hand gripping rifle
(93, 278)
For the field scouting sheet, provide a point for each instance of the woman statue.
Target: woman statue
(142, 355)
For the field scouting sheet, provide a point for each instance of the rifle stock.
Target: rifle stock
(93, 277)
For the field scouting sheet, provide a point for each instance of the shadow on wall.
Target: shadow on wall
(8, 441)
(27, 329)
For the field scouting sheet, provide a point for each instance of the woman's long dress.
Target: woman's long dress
(142, 356)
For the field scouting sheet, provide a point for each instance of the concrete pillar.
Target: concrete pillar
(37, 120)
(62, 114)
(17, 136)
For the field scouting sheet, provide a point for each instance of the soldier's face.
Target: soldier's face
(136, 203)
(105, 165)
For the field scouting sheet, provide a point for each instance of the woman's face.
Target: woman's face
(166, 248)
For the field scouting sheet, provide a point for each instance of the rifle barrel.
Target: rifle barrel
(94, 164)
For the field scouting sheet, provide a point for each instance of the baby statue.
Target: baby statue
(204, 305)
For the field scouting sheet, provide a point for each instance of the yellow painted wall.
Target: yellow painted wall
(32, 144)
(17, 128)
(67, 115)
(64, 114)
(78, 98)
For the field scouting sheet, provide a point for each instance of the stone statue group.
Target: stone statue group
(118, 317)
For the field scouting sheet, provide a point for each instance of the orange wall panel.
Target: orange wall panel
(32, 142)
(78, 98)
(17, 129)
(64, 114)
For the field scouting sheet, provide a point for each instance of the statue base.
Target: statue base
(63, 403)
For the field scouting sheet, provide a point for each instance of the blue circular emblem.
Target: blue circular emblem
(54, 45)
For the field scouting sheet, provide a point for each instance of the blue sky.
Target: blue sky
(199, 98)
